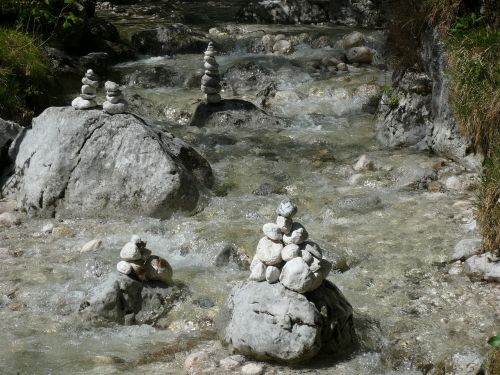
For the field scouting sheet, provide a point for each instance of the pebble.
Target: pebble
(124, 267)
(284, 224)
(91, 246)
(130, 252)
(296, 276)
(252, 369)
(269, 252)
(286, 209)
(290, 251)
(272, 274)
(272, 231)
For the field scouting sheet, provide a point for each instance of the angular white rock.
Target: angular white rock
(306, 255)
(253, 369)
(124, 267)
(284, 223)
(47, 228)
(269, 252)
(272, 231)
(80, 103)
(258, 272)
(290, 251)
(297, 235)
(130, 252)
(313, 248)
(286, 209)
(272, 274)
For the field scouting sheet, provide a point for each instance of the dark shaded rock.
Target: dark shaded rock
(155, 76)
(8, 132)
(359, 203)
(269, 322)
(230, 254)
(121, 299)
(234, 113)
(90, 163)
(290, 11)
(165, 40)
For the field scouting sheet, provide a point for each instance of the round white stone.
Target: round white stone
(124, 267)
(269, 252)
(80, 103)
(89, 90)
(284, 223)
(296, 276)
(296, 236)
(130, 252)
(290, 251)
(272, 231)
(111, 86)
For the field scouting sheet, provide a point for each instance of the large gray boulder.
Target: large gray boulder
(124, 300)
(269, 322)
(234, 113)
(91, 163)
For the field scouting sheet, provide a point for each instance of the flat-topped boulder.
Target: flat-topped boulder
(83, 163)
(234, 113)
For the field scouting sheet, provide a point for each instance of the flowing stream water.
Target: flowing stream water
(391, 243)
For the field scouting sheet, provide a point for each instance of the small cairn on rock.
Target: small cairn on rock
(86, 100)
(285, 255)
(138, 261)
(115, 103)
(210, 82)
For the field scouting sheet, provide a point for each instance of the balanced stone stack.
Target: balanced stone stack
(115, 103)
(284, 254)
(138, 261)
(86, 100)
(210, 82)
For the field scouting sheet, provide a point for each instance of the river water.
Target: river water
(391, 242)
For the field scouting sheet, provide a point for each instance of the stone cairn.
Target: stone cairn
(86, 100)
(139, 262)
(210, 82)
(115, 103)
(285, 255)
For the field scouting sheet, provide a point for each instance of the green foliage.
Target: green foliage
(23, 74)
(465, 23)
(494, 341)
(41, 16)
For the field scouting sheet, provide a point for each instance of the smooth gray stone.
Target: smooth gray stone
(111, 86)
(86, 89)
(80, 103)
(269, 322)
(290, 251)
(360, 55)
(57, 170)
(285, 224)
(114, 99)
(88, 96)
(272, 274)
(210, 90)
(272, 231)
(210, 81)
(354, 39)
(213, 98)
(298, 234)
(89, 82)
(114, 109)
(122, 299)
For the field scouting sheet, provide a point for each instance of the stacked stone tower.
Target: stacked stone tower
(86, 100)
(115, 103)
(210, 82)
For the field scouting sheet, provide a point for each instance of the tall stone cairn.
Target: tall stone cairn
(86, 100)
(210, 82)
(284, 255)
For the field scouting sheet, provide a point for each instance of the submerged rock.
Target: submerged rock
(121, 299)
(269, 322)
(8, 132)
(87, 162)
(234, 113)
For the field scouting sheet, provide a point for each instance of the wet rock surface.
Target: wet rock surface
(89, 169)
